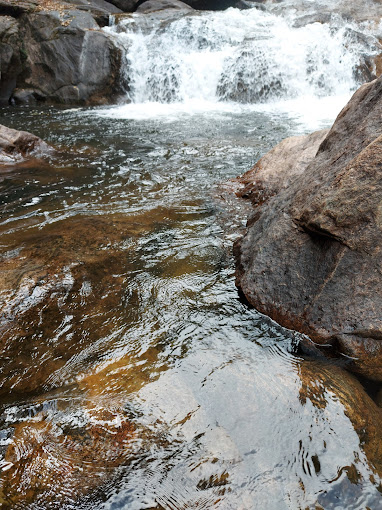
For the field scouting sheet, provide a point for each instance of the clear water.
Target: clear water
(133, 376)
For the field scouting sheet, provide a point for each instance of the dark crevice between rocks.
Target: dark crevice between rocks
(14, 11)
(372, 388)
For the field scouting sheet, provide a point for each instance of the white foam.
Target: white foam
(234, 61)
(309, 112)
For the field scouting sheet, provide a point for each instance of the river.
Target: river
(133, 375)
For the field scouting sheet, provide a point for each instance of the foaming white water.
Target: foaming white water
(308, 112)
(320, 113)
(230, 61)
(168, 111)
(240, 56)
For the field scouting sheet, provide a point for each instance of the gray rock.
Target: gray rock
(211, 5)
(246, 4)
(100, 9)
(159, 5)
(312, 253)
(87, 70)
(10, 56)
(307, 19)
(126, 5)
(53, 54)
(25, 96)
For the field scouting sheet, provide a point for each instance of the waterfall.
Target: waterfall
(251, 56)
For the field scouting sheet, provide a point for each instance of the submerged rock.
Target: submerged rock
(67, 283)
(318, 381)
(48, 465)
(312, 253)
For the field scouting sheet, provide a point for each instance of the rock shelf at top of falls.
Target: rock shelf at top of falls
(311, 256)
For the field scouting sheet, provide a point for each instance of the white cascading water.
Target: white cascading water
(252, 57)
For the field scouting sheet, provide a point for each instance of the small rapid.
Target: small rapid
(251, 57)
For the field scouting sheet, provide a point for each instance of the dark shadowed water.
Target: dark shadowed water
(133, 377)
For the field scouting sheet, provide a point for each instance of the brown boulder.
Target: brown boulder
(277, 169)
(312, 254)
(15, 145)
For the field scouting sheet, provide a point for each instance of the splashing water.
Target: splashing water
(222, 60)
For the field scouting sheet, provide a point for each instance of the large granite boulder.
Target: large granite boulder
(312, 255)
(68, 59)
(56, 51)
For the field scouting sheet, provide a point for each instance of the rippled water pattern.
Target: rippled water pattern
(133, 376)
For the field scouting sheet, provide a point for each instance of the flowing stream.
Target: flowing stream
(133, 376)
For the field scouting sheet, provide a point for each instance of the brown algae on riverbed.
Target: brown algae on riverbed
(69, 441)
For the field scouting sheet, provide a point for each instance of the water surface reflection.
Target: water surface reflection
(132, 374)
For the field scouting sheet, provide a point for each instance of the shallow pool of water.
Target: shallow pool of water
(133, 376)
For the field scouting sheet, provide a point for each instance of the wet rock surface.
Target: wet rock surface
(158, 5)
(56, 51)
(15, 145)
(61, 269)
(311, 255)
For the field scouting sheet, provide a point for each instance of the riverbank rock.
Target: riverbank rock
(126, 5)
(10, 56)
(159, 5)
(56, 52)
(15, 145)
(211, 5)
(312, 253)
